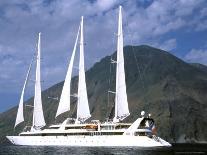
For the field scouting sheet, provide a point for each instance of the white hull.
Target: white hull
(89, 141)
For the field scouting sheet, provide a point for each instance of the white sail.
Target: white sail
(83, 111)
(64, 104)
(38, 117)
(121, 103)
(20, 113)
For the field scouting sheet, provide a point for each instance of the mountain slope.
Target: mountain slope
(173, 91)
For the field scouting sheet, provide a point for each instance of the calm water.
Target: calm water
(181, 149)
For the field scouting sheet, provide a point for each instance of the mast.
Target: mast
(38, 116)
(121, 103)
(64, 104)
(20, 111)
(83, 111)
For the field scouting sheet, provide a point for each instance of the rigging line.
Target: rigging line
(13, 131)
(31, 63)
(74, 84)
(107, 103)
(109, 84)
(136, 59)
(110, 79)
(75, 107)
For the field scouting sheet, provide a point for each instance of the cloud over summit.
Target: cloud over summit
(161, 23)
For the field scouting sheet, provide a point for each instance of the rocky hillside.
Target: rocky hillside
(173, 91)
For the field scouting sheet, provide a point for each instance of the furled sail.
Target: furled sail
(20, 113)
(64, 104)
(83, 111)
(38, 116)
(121, 103)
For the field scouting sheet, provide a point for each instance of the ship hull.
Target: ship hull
(89, 141)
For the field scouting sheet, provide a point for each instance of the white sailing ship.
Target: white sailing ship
(77, 132)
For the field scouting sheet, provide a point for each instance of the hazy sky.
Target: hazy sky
(178, 26)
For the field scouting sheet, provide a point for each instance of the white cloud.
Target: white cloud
(105, 4)
(168, 45)
(202, 26)
(203, 12)
(197, 56)
(21, 20)
(172, 25)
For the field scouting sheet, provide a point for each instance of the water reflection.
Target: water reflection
(25, 150)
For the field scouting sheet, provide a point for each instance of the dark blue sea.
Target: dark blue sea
(176, 149)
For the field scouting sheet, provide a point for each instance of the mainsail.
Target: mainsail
(38, 117)
(83, 111)
(121, 103)
(64, 104)
(20, 113)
